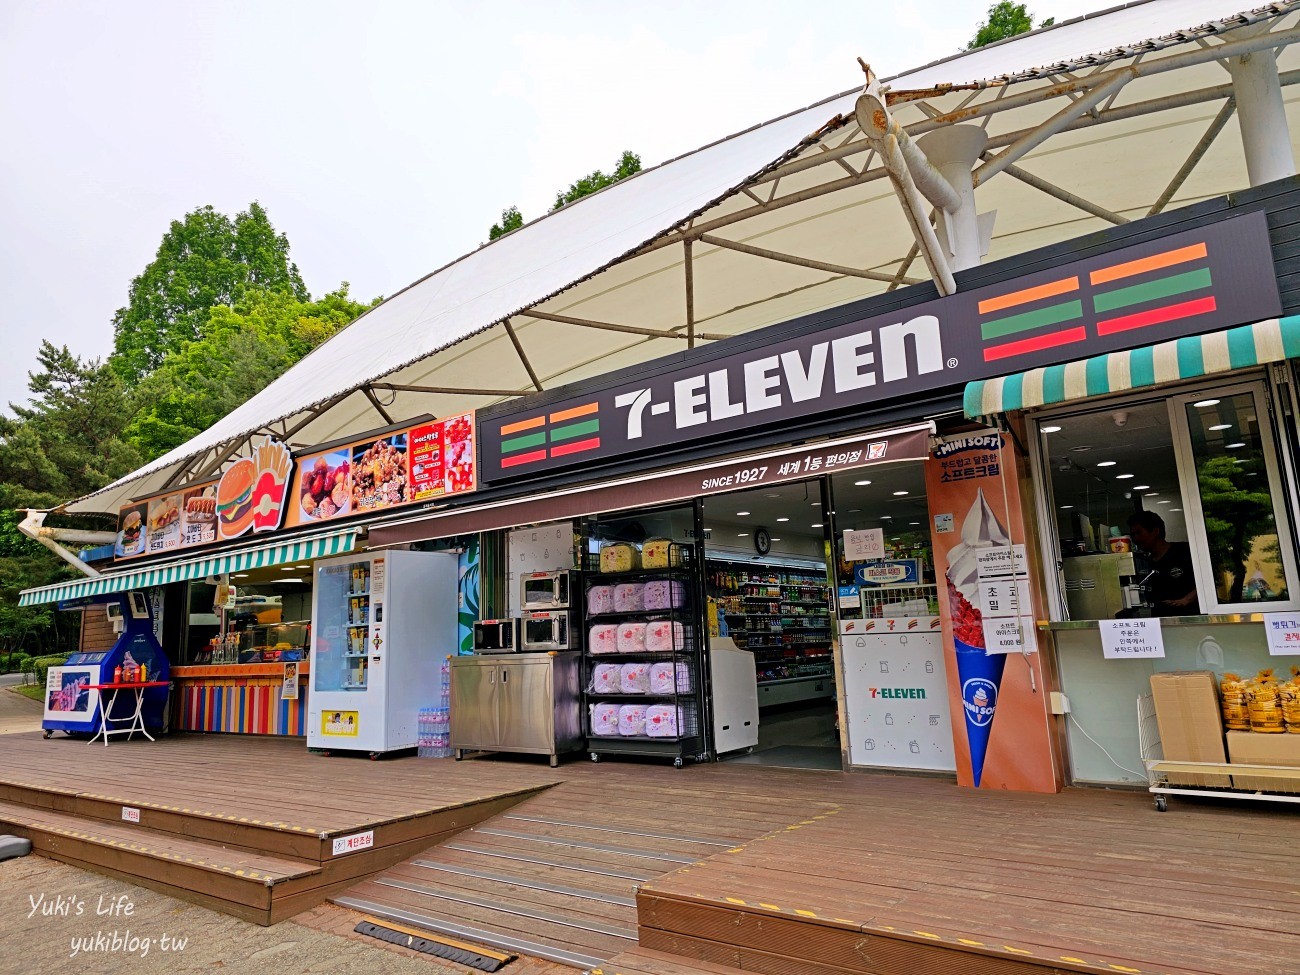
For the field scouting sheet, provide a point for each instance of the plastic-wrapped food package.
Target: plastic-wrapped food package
(662, 636)
(631, 637)
(661, 721)
(631, 719)
(600, 599)
(635, 678)
(603, 638)
(664, 594)
(604, 719)
(606, 679)
(662, 677)
(654, 553)
(619, 557)
(629, 597)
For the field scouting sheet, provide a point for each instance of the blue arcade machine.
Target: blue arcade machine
(70, 704)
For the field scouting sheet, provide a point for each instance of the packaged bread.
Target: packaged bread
(654, 553)
(629, 597)
(619, 557)
(1265, 705)
(1234, 695)
(661, 721)
(605, 679)
(604, 719)
(602, 638)
(631, 719)
(1289, 698)
(631, 637)
(600, 599)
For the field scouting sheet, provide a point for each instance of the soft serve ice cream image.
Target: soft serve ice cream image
(979, 671)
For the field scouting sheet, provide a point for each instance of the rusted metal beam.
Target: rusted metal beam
(519, 349)
(379, 407)
(802, 261)
(1200, 149)
(690, 293)
(611, 327)
(449, 390)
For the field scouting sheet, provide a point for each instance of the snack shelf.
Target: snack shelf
(609, 710)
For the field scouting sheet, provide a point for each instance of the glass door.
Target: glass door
(1233, 488)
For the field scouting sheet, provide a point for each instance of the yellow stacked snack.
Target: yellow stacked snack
(1235, 695)
(619, 557)
(654, 553)
(1289, 694)
(1266, 705)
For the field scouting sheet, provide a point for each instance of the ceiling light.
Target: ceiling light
(774, 539)
(1121, 477)
(861, 483)
(913, 522)
(1221, 426)
(1081, 448)
(783, 519)
(289, 568)
(1153, 494)
(855, 511)
(1234, 446)
(816, 504)
(1106, 463)
(742, 535)
(818, 525)
(291, 579)
(741, 514)
(899, 494)
(1141, 487)
(1052, 429)
(886, 517)
(1166, 501)
(240, 575)
(776, 497)
(1175, 509)
(896, 539)
(1066, 507)
(1206, 403)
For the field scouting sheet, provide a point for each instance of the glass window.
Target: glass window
(1168, 507)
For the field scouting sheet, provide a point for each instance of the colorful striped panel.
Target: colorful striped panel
(525, 441)
(252, 707)
(1156, 262)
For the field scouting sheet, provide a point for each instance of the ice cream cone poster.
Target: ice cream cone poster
(1001, 726)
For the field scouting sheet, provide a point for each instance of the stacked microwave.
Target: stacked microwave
(545, 622)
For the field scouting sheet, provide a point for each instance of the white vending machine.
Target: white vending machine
(382, 623)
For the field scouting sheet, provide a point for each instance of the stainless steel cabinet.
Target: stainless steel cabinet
(524, 702)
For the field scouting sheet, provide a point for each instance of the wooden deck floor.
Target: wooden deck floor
(637, 867)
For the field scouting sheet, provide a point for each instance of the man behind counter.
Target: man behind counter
(1173, 583)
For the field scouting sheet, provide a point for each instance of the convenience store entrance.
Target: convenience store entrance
(783, 584)
(769, 593)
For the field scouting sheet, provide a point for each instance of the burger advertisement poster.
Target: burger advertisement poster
(1000, 716)
(270, 489)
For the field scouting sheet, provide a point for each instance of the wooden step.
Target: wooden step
(647, 961)
(248, 885)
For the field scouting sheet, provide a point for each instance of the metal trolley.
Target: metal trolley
(1284, 783)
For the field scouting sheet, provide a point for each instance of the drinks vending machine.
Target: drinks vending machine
(382, 623)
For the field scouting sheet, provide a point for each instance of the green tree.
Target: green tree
(627, 164)
(511, 219)
(239, 351)
(1005, 19)
(64, 442)
(1238, 512)
(67, 440)
(204, 260)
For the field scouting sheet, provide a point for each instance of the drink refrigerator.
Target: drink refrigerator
(382, 623)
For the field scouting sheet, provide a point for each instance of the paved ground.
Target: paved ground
(17, 713)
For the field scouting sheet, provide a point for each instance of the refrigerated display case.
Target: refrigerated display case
(381, 626)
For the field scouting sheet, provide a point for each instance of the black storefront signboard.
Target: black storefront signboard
(1187, 283)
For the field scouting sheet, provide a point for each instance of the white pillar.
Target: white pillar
(1265, 136)
(953, 151)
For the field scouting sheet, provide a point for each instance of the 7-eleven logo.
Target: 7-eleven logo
(558, 434)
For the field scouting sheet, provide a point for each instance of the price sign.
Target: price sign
(1011, 634)
(1283, 631)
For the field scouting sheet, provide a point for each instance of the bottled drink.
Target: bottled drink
(117, 674)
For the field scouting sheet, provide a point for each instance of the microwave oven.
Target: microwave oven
(545, 630)
(545, 590)
(496, 636)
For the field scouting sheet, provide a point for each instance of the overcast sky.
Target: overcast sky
(383, 138)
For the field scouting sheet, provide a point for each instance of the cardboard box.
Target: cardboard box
(1191, 725)
(1253, 748)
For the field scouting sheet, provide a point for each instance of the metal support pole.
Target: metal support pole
(953, 151)
(1265, 136)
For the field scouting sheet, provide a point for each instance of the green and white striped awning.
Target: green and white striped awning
(263, 556)
(1154, 365)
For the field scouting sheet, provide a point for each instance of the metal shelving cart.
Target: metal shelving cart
(1159, 769)
(660, 680)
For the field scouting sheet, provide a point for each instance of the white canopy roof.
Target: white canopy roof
(804, 184)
